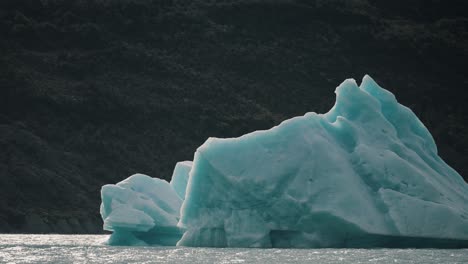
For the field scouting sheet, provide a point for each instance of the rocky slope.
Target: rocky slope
(93, 91)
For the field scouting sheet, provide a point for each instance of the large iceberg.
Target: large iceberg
(365, 174)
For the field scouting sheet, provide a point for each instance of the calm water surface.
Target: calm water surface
(91, 249)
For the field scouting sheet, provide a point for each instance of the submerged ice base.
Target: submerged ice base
(365, 174)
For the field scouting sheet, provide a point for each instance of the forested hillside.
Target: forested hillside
(93, 91)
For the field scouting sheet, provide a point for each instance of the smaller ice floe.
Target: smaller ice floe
(142, 210)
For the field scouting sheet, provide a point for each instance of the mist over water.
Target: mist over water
(91, 249)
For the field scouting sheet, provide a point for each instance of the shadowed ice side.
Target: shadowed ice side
(365, 174)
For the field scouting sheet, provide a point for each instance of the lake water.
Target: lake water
(91, 249)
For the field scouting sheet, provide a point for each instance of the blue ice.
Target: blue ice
(365, 174)
(145, 211)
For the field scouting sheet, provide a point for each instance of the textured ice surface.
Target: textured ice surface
(180, 177)
(364, 174)
(141, 211)
(145, 211)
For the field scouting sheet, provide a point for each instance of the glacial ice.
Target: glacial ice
(180, 177)
(145, 211)
(365, 174)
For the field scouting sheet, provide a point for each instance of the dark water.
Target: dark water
(91, 249)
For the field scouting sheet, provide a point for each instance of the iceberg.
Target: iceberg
(145, 211)
(365, 174)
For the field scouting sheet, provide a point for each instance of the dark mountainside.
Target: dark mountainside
(93, 91)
